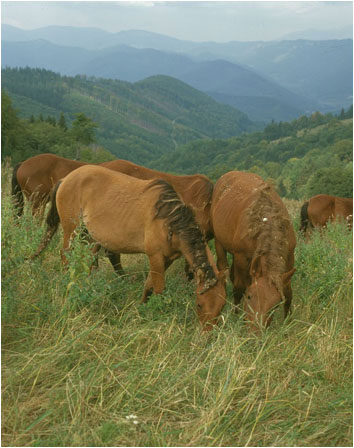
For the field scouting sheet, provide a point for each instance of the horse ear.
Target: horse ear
(286, 277)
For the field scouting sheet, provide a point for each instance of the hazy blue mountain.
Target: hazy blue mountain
(131, 64)
(43, 54)
(312, 34)
(319, 70)
(222, 80)
(94, 38)
(230, 79)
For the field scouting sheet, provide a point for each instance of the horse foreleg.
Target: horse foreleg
(239, 288)
(221, 263)
(114, 258)
(94, 264)
(188, 271)
(155, 282)
(288, 294)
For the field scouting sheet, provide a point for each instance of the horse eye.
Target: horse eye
(199, 306)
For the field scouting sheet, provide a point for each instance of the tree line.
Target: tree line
(302, 158)
(307, 156)
(24, 138)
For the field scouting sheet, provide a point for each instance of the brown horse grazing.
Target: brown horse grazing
(195, 190)
(251, 222)
(128, 215)
(35, 178)
(320, 209)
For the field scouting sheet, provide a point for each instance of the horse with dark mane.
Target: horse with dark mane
(251, 222)
(322, 208)
(195, 190)
(128, 215)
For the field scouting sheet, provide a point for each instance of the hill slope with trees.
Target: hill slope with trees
(305, 157)
(139, 121)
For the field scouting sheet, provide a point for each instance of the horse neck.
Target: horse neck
(198, 257)
(270, 256)
(264, 270)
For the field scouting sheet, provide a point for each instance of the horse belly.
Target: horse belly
(125, 235)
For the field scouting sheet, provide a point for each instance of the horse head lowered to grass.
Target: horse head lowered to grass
(251, 222)
(128, 215)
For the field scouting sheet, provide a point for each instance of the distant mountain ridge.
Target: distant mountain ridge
(280, 79)
(222, 80)
(95, 38)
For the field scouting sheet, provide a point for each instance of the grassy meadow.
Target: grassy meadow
(85, 364)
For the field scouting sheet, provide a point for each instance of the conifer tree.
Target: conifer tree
(62, 122)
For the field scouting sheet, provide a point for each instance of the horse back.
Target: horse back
(131, 169)
(182, 184)
(42, 172)
(344, 207)
(195, 190)
(232, 195)
(239, 202)
(116, 209)
(321, 209)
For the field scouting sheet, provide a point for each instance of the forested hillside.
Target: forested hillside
(137, 121)
(304, 157)
(308, 156)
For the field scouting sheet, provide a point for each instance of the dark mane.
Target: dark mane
(270, 227)
(181, 221)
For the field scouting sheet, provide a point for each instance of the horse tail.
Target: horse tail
(304, 217)
(52, 221)
(16, 192)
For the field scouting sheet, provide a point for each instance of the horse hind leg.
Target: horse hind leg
(239, 288)
(115, 260)
(38, 204)
(69, 227)
(17, 193)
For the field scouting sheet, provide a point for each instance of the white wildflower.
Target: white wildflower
(265, 219)
(132, 417)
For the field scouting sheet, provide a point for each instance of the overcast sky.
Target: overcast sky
(197, 21)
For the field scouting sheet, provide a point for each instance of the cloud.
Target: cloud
(219, 21)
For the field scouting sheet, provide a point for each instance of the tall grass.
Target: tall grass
(85, 364)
